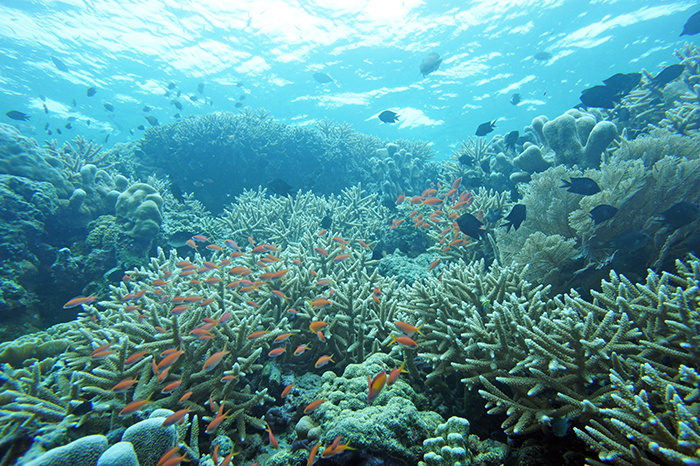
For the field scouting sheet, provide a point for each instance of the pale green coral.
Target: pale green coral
(453, 446)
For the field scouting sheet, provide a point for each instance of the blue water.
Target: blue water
(132, 50)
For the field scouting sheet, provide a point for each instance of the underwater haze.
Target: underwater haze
(130, 51)
(350, 232)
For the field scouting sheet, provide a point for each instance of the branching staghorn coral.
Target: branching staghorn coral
(161, 324)
(285, 220)
(457, 328)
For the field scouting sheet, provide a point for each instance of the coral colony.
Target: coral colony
(340, 305)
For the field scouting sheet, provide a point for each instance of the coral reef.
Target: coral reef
(288, 323)
(200, 153)
(393, 423)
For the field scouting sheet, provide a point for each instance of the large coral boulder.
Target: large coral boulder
(139, 209)
(21, 156)
(392, 425)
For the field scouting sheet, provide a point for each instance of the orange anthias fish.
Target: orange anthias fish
(320, 303)
(276, 352)
(169, 360)
(394, 375)
(300, 350)
(323, 360)
(287, 390)
(124, 385)
(317, 325)
(79, 301)
(134, 406)
(313, 405)
(312, 454)
(214, 359)
(258, 334)
(407, 328)
(376, 385)
(218, 419)
(135, 357)
(273, 441)
(171, 387)
(282, 338)
(335, 448)
(404, 341)
(175, 417)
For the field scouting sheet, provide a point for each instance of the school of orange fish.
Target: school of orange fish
(251, 271)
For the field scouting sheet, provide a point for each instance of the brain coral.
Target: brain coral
(150, 439)
(82, 452)
(139, 209)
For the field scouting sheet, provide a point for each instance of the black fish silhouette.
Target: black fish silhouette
(630, 241)
(602, 213)
(19, 116)
(326, 222)
(387, 116)
(623, 82)
(542, 56)
(516, 216)
(583, 186)
(667, 75)
(152, 120)
(680, 215)
(485, 128)
(430, 63)
(146, 108)
(600, 96)
(92, 90)
(470, 226)
(692, 26)
(515, 99)
(109, 107)
(511, 138)
(280, 187)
